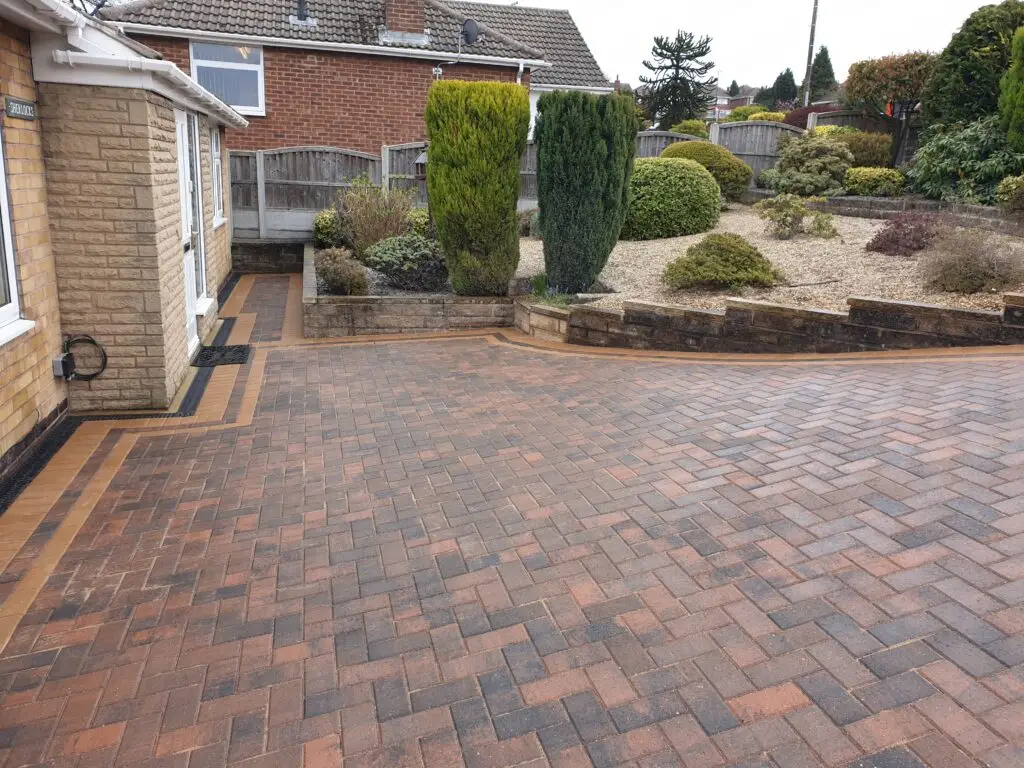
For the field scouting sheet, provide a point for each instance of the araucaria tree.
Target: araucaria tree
(678, 87)
(1011, 96)
(477, 136)
(585, 149)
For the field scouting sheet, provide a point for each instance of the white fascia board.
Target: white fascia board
(549, 88)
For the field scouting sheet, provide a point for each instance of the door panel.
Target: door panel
(187, 229)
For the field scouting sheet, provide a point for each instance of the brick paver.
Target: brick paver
(460, 552)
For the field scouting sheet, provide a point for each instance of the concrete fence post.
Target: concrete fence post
(812, 121)
(715, 133)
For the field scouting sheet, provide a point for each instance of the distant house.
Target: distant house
(354, 73)
(724, 104)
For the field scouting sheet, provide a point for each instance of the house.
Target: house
(113, 218)
(718, 106)
(354, 74)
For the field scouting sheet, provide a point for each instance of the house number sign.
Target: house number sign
(19, 108)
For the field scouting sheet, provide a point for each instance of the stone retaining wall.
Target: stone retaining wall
(542, 322)
(325, 317)
(748, 326)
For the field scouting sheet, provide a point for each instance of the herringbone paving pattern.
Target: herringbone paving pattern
(457, 551)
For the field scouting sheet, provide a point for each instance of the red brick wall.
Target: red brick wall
(405, 15)
(352, 101)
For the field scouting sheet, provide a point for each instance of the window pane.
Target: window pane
(5, 286)
(237, 87)
(240, 54)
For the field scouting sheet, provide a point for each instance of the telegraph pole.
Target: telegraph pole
(810, 56)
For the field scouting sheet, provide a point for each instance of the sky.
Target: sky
(754, 40)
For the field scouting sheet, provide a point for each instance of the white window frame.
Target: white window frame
(11, 322)
(217, 176)
(259, 111)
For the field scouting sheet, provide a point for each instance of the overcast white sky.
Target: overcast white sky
(754, 40)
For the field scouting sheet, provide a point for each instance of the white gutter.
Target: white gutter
(165, 70)
(287, 42)
(549, 87)
(62, 12)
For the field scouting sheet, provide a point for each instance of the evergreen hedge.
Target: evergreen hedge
(477, 135)
(585, 149)
(1011, 96)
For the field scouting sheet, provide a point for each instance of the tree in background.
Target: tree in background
(477, 135)
(965, 85)
(678, 88)
(765, 97)
(585, 150)
(823, 77)
(891, 87)
(734, 89)
(784, 90)
(1011, 96)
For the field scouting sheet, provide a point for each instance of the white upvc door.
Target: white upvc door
(191, 224)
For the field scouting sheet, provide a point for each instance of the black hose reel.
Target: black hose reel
(65, 367)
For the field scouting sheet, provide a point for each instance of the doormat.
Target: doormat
(235, 354)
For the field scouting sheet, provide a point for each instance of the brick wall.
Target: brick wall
(318, 98)
(405, 15)
(28, 391)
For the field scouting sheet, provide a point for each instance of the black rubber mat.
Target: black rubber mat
(235, 354)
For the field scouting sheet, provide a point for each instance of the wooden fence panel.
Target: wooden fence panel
(400, 169)
(653, 143)
(754, 142)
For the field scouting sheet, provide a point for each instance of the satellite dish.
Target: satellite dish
(470, 32)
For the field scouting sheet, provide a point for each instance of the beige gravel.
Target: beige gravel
(635, 268)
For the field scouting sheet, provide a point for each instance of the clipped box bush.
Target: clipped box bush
(419, 221)
(477, 136)
(671, 197)
(410, 262)
(720, 261)
(341, 274)
(770, 117)
(692, 127)
(327, 230)
(813, 165)
(1010, 194)
(742, 114)
(874, 182)
(870, 150)
(731, 173)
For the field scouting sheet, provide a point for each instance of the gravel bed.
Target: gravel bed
(843, 266)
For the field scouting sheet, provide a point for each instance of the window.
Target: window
(232, 73)
(217, 174)
(10, 311)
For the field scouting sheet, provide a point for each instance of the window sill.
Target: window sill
(219, 222)
(250, 111)
(11, 331)
(205, 306)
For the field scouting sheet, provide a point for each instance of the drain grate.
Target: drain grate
(235, 354)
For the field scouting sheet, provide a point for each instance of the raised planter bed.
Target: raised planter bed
(542, 321)
(325, 317)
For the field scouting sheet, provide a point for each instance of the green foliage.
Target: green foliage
(742, 114)
(770, 117)
(766, 98)
(874, 182)
(678, 87)
(734, 89)
(369, 214)
(720, 261)
(1011, 96)
(813, 165)
(525, 218)
(870, 150)
(823, 76)
(965, 84)
(786, 215)
(768, 179)
(1010, 194)
(784, 89)
(691, 128)
(419, 221)
(585, 149)
(410, 262)
(968, 261)
(964, 164)
(477, 136)
(731, 173)
(877, 82)
(327, 230)
(671, 197)
(340, 273)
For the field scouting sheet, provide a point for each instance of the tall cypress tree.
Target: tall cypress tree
(734, 89)
(585, 149)
(785, 88)
(1011, 95)
(678, 88)
(823, 77)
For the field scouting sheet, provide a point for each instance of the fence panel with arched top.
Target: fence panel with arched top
(755, 142)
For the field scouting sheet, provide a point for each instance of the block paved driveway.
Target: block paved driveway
(462, 551)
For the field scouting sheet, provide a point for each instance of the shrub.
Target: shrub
(965, 84)
(692, 128)
(785, 216)
(418, 221)
(964, 164)
(585, 150)
(731, 173)
(341, 274)
(370, 214)
(771, 117)
(477, 136)
(874, 182)
(813, 165)
(768, 178)
(720, 261)
(1011, 96)
(798, 117)
(967, 261)
(741, 114)
(870, 150)
(833, 130)
(908, 233)
(525, 218)
(327, 230)
(410, 262)
(671, 197)
(1010, 194)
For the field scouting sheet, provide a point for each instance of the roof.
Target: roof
(553, 32)
(508, 31)
(350, 21)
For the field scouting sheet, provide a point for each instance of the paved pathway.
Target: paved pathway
(465, 550)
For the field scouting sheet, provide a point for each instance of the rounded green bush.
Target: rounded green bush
(720, 261)
(327, 230)
(693, 127)
(419, 221)
(411, 262)
(671, 197)
(340, 273)
(742, 114)
(731, 173)
(870, 150)
(874, 182)
(767, 116)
